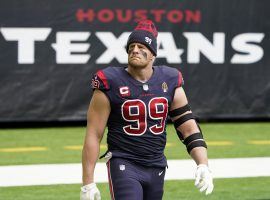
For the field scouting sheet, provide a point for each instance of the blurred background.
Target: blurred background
(49, 51)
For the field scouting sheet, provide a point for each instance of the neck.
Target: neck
(139, 74)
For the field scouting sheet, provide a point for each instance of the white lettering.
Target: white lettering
(26, 38)
(64, 48)
(115, 47)
(251, 53)
(71, 47)
(197, 44)
(167, 48)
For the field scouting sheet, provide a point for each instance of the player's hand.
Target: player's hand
(90, 192)
(204, 179)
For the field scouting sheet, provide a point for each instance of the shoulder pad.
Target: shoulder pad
(100, 81)
(174, 75)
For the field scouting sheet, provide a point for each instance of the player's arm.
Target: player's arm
(97, 116)
(187, 126)
(190, 134)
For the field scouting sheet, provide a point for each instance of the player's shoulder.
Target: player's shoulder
(103, 78)
(171, 73)
(168, 71)
(110, 72)
(112, 69)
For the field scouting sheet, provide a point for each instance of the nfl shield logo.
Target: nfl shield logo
(145, 87)
(122, 167)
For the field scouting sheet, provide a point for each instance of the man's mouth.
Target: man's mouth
(134, 57)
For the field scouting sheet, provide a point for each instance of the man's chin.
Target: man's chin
(133, 62)
(136, 64)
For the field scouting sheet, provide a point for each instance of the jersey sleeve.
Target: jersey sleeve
(180, 79)
(172, 75)
(175, 76)
(100, 81)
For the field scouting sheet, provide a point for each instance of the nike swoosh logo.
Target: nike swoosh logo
(160, 173)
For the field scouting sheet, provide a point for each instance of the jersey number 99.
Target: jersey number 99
(137, 112)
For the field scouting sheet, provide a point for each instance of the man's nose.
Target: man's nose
(135, 49)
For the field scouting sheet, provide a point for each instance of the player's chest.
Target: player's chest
(144, 96)
(142, 90)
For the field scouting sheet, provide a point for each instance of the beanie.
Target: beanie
(144, 33)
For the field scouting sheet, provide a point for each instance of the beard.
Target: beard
(137, 63)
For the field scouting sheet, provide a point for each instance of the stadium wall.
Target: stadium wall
(50, 50)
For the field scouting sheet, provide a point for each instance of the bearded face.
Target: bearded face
(139, 55)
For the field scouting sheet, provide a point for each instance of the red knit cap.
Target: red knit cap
(147, 25)
(144, 33)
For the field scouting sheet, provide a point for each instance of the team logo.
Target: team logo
(124, 91)
(164, 87)
(122, 167)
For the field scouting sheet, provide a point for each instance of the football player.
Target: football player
(135, 102)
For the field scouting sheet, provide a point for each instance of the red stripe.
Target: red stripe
(180, 79)
(110, 180)
(103, 78)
